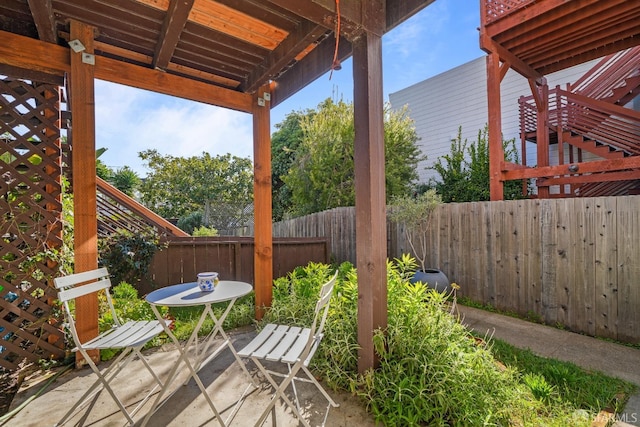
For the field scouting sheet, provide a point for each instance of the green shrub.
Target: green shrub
(190, 222)
(204, 232)
(431, 370)
(128, 255)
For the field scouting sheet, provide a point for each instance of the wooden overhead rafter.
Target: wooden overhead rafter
(306, 34)
(42, 13)
(174, 22)
(313, 65)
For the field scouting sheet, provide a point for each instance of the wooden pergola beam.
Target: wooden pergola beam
(304, 36)
(27, 53)
(309, 68)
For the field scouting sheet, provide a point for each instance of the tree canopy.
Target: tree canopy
(321, 174)
(220, 186)
(284, 144)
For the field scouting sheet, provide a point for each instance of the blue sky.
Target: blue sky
(442, 36)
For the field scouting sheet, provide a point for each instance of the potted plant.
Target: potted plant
(415, 214)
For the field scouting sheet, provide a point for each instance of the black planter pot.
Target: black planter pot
(434, 279)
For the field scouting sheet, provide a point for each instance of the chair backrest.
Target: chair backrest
(80, 284)
(321, 312)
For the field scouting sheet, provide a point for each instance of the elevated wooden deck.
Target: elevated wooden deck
(538, 37)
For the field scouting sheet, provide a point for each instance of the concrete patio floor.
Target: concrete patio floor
(224, 380)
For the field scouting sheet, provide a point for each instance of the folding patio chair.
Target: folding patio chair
(295, 347)
(130, 337)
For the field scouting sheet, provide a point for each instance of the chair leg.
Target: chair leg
(293, 386)
(279, 393)
(319, 387)
(103, 379)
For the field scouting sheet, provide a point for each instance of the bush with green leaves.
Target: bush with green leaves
(432, 370)
(190, 222)
(128, 255)
(205, 232)
(464, 172)
(414, 212)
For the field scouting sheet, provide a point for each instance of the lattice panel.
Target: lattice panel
(31, 227)
(499, 8)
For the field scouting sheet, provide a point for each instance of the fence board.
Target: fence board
(549, 243)
(628, 223)
(582, 312)
(606, 269)
(564, 256)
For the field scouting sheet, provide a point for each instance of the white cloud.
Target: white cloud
(129, 120)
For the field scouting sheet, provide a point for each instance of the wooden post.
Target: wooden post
(82, 99)
(496, 152)
(542, 133)
(263, 236)
(371, 234)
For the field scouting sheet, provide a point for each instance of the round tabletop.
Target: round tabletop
(189, 294)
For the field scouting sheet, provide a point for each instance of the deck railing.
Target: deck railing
(492, 10)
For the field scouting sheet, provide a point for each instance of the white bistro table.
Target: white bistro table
(188, 295)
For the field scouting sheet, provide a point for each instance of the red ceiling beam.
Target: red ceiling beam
(526, 37)
(526, 19)
(491, 46)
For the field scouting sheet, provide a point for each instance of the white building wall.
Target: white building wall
(458, 97)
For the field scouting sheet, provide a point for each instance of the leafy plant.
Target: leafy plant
(415, 214)
(220, 187)
(128, 255)
(126, 180)
(540, 388)
(190, 222)
(322, 174)
(464, 172)
(432, 370)
(204, 232)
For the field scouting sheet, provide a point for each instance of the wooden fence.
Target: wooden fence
(571, 262)
(185, 257)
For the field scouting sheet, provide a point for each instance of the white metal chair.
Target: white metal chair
(295, 347)
(130, 337)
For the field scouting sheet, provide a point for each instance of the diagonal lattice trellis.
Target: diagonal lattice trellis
(30, 224)
(496, 9)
